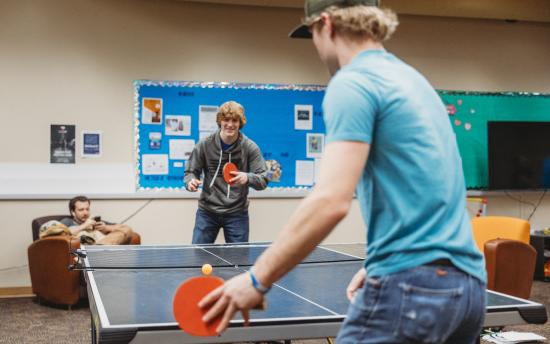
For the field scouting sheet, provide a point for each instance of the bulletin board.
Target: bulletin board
(469, 113)
(284, 120)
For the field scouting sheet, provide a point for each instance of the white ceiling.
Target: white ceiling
(523, 10)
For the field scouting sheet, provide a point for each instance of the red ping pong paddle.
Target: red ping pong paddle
(227, 169)
(186, 309)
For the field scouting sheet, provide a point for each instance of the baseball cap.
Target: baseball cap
(315, 7)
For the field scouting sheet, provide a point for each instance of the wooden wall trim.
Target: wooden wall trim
(16, 292)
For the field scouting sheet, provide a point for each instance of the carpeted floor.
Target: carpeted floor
(22, 320)
(540, 292)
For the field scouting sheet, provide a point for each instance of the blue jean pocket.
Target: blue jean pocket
(363, 307)
(427, 315)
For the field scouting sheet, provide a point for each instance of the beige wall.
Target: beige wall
(74, 62)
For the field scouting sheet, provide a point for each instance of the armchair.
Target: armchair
(49, 259)
(509, 259)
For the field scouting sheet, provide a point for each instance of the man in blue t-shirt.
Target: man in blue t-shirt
(389, 140)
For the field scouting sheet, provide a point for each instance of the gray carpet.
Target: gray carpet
(22, 320)
(540, 292)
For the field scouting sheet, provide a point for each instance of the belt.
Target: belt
(441, 262)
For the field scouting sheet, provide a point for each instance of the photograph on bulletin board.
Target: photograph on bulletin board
(285, 121)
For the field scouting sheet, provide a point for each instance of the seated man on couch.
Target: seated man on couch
(92, 229)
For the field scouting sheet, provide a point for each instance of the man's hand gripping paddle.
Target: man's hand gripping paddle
(185, 305)
(227, 169)
(186, 309)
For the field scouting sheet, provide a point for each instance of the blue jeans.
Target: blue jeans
(426, 304)
(207, 225)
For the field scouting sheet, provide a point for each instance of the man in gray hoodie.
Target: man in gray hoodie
(223, 204)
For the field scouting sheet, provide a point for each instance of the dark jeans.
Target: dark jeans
(207, 225)
(427, 304)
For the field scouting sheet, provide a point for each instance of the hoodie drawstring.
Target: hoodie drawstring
(218, 169)
(229, 185)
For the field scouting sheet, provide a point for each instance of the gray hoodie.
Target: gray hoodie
(208, 159)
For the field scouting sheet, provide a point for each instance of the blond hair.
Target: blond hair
(231, 110)
(360, 21)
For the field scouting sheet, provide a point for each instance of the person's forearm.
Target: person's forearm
(257, 178)
(76, 229)
(257, 181)
(190, 176)
(115, 227)
(317, 214)
(194, 165)
(312, 221)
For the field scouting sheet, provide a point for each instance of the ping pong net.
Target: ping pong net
(194, 256)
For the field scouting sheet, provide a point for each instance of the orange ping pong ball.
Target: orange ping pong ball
(206, 269)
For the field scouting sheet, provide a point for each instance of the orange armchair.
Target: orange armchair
(49, 260)
(491, 227)
(509, 259)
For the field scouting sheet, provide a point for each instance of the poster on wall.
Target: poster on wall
(62, 144)
(91, 144)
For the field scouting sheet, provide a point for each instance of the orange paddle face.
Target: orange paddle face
(186, 309)
(227, 169)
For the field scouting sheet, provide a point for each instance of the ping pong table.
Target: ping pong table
(131, 288)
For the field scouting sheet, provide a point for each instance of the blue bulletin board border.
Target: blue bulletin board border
(272, 112)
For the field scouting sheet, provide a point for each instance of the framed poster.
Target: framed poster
(91, 144)
(62, 144)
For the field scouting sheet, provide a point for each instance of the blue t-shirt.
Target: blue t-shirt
(412, 192)
(225, 146)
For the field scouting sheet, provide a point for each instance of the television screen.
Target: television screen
(519, 155)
